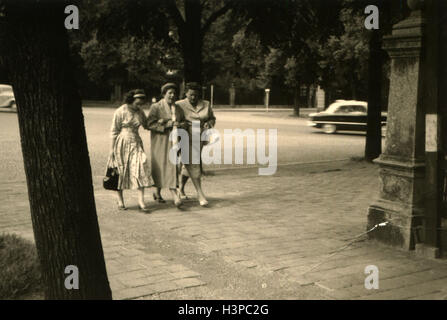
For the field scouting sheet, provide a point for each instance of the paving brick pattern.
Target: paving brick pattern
(291, 224)
(132, 272)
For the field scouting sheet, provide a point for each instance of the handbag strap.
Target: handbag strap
(111, 163)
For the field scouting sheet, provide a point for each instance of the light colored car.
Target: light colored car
(344, 115)
(7, 99)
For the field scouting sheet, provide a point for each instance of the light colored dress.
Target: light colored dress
(203, 113)
(128, 153)
(164, 172)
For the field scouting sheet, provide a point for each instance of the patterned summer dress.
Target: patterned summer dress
(128, 153)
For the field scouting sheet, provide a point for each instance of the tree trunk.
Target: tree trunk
(3, 77)
(191, 38)
(373, 145)
(117, 92)
(310, 93)
(443, 81)
(296, 101)
(327, 98)
(443, 112)
(54, 149)
(354, 82)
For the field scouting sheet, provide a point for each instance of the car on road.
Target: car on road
(7, 99)
(344, 115)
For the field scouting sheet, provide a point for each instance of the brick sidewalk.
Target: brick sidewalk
(283, 229)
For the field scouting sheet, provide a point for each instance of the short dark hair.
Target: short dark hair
(130, 96)
(193, 86)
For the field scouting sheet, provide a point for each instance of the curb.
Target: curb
(8, 110)
(279, 165)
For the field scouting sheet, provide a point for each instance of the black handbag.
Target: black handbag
(110, 181)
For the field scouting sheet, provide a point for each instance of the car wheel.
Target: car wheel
(329, 128)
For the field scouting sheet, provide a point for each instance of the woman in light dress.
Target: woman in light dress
(164, 117)
(126, 152)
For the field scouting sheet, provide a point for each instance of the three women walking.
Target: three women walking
(127, 152)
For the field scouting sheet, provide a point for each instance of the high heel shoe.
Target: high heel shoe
(159, 199)
(121, 207)
(203, 203)
(178, 203)
(182, 195)
(143, 209)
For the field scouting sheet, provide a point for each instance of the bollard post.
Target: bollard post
(267, 94)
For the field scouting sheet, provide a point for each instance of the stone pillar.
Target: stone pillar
(117, 94)
(402, 164)
(320, 99)
(232, 92)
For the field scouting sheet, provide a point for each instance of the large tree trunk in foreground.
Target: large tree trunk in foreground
(54, 148)
(443, 84)
(373, 145)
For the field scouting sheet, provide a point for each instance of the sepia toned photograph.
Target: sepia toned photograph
(251, 150)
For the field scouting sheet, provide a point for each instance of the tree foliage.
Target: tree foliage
(292, 36)
(284, 34)
(125, 43)
(345, 56)
(250, 43)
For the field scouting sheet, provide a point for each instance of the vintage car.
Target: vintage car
(344, 115)
(7, 99)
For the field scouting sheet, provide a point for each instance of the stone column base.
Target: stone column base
(425, 251)
(404, 223)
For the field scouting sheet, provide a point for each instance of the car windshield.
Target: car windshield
(332, 108)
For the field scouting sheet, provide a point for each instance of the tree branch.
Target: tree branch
(175, 14)
(204, 3)
(213, 17)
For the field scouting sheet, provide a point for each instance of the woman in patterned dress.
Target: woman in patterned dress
(127, 153)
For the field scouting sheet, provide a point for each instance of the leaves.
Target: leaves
(251, 43)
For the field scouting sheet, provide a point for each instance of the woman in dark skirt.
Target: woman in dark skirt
(198, 110)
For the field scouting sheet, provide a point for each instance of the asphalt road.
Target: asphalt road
(296, 142)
